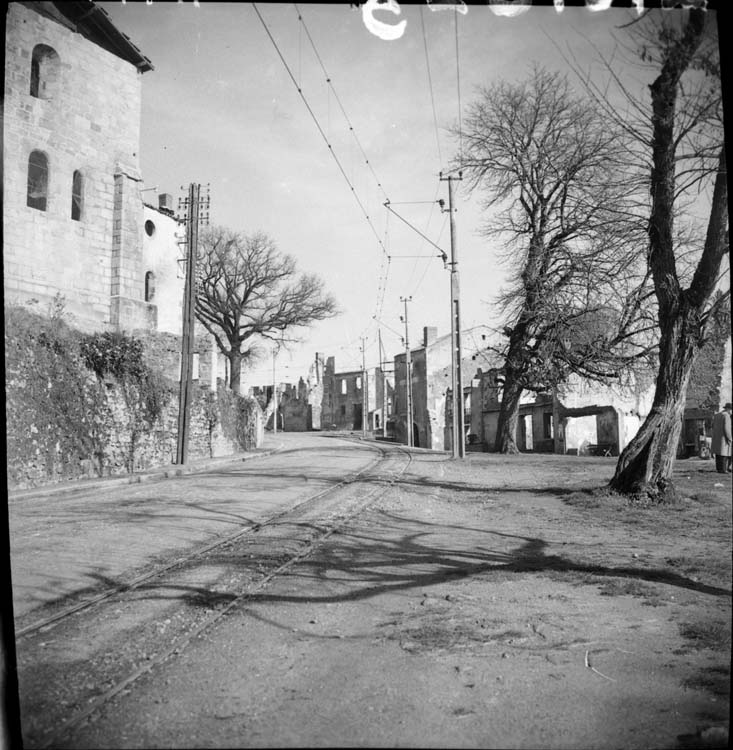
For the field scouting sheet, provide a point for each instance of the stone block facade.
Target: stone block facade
(72, 215)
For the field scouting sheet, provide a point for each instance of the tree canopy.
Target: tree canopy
(552, 176)
(247, 291)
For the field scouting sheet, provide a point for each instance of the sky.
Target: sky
(221, 108)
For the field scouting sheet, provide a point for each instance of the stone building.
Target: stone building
(710, 388)
(580, 417)
(75, 219)
(164, 269)
(586, 417)
(343, 399)
(73, 214)
(163, 266)
(295, 414)
(431, 382)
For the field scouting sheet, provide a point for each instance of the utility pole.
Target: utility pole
(364, 395)
(193, 217)
(384, 385)
(455, 328)
(408, 374)
(274, 393)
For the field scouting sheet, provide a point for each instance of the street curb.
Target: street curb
(155, 475)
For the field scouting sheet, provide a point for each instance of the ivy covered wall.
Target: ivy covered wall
(92, 405)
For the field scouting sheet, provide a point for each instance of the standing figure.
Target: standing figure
(721, 445)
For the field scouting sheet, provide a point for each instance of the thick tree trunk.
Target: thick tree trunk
(235, 370)
(645, 466)
(506, 430)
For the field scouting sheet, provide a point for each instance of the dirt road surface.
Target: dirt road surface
(493, 602)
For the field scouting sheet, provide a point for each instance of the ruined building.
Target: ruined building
(431, 379)
(343, 399)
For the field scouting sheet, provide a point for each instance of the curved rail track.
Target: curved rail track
(332, 507)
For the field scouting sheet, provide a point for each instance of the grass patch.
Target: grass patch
(714, 680)
(710, 635)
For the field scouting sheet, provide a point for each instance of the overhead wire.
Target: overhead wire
(384, 272)
(458, 88)
(427, 265)
(430, 84)
(329, 80)
(320, 129)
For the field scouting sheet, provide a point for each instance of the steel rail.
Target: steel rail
(199, 551)
(97, 703)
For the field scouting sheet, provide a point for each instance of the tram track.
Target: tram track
(334, 507)
(150, 575)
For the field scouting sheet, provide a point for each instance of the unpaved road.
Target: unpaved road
(484, 603)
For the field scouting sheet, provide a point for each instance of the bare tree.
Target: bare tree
(248, 291)
(682, 133)
(552, 173)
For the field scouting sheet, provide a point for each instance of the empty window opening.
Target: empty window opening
(548, 426)
(149, 228)
(358, 383)
(37, 180)
(45, 66)
(77, 195)
(149, 286)
(343, 387)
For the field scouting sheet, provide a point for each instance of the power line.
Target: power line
(458, 86)
(430, 84)
(427, 265)
(415, 229)
(329, 81)
(320, 129)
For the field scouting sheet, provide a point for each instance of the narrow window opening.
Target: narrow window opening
(548, 426)
(37, 180)
(149, 286)
(343, 387)
(35, 76)
(77, 195)
(45, 66)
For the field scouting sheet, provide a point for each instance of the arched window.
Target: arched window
(37, 180)
(45, 66)
(77, 195)
(149, 286)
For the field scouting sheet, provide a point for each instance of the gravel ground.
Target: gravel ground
(494, 602)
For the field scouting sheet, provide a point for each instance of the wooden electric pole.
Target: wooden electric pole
(384, 386)
(458, 438)
(364, 394)
(408, 374)
(193, 217)
(274, 393)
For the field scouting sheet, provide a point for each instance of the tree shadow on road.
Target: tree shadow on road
(399, 554)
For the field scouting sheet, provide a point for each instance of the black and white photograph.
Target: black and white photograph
(367, 375)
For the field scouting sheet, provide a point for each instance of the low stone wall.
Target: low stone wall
(63, 422)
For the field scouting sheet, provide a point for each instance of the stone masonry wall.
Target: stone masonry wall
(65, 423)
